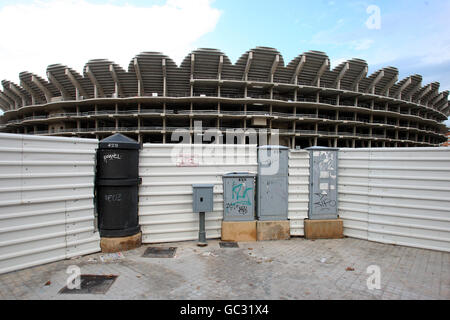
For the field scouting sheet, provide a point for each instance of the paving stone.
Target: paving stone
(288, 269)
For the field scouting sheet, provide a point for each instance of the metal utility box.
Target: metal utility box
(272, 183)
(238, 196)
(323, 202)
(203, 200)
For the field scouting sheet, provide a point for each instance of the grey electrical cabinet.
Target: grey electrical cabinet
(323, 183)
(238, 196)
(272, 183)
(203, 199)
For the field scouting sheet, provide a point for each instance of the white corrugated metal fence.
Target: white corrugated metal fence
(46, 199)
(298, 190)
(397, 195)
(165, 196)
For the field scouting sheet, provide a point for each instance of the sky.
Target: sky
(411, 35)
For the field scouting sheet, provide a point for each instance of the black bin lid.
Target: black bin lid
(118, 141)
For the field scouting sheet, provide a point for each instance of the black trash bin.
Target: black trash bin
(117, 183)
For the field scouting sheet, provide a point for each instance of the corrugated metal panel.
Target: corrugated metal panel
(298, 190)
(399, 196)
(353, 207)
(165, 196)
(46, 200)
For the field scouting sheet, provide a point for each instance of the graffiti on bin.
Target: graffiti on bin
(111, 156)
(113, 197)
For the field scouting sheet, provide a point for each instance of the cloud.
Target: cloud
(363, 44)
(72, 32)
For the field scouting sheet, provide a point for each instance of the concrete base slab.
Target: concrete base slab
(324, 229)
(273, 230)
(244, 231)
(110, 245)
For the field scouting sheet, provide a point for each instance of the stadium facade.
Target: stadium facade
(307, 102)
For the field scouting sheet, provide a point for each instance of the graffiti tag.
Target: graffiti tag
(324, 203)
(111, 156)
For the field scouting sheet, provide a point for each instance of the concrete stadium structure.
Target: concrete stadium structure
(307, 102)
